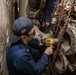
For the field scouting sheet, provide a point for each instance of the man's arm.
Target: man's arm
(34, 43)
(26, 64)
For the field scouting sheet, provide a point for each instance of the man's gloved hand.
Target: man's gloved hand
(47, 24)
(41, 44)
(49, 51)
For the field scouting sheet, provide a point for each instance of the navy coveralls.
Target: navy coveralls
(48, 10)
(21, 62)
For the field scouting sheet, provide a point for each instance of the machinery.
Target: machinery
(64, 21)
(40, 34)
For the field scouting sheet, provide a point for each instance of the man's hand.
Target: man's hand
(49, 51)
(41, 44)
(47, 24)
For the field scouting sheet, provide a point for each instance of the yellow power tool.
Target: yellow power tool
(49, 41)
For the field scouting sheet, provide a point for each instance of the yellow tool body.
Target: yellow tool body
(49, 41)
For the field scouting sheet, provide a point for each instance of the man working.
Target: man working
(20, 60)
(48, 10)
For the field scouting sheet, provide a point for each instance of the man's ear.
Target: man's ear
(23, 37)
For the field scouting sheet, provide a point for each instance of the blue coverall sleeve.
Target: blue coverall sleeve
(26, 64)
(34, 43)
(49, 8)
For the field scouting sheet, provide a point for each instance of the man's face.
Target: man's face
(31, 34)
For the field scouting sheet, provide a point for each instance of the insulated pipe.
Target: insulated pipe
(6, 20)
(22, 7)
(32, 4)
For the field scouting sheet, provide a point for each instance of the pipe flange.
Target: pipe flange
(68, 47)
(61, 63)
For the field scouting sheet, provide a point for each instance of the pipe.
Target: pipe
(22, 7)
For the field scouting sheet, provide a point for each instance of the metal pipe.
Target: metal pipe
(22, 7)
